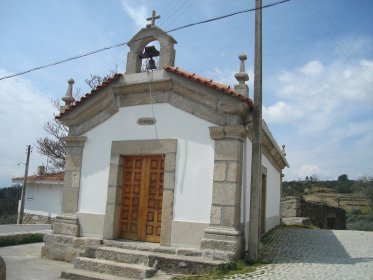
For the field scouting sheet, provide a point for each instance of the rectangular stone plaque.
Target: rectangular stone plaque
(146, 121)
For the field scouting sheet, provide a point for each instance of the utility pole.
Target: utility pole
(256, 167)
(22, 208)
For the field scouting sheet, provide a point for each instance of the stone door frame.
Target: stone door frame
(166, 147)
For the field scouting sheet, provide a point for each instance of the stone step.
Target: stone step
(137, 271)
(170, 263)
(141, 246)
(152, 247)
(77, 274)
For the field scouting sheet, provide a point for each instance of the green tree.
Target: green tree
(365, 185)
(343, 178)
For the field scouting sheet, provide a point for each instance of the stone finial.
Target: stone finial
(68, 98)
(152, 19)
(283, 150)
(242, 77)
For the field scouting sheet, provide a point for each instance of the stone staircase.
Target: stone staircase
(138, 260)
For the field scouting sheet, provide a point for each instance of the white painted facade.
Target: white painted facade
(194, 163)
(194, 160)
(273, 191)
(43, 196)
(273, 194)
(44, 199)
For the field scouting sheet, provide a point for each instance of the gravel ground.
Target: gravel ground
(297, 253)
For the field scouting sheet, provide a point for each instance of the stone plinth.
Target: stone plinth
(66, 248)
(66, 224)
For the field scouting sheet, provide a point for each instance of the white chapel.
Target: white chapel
(162, 155)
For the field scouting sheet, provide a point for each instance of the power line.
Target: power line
(125, 43)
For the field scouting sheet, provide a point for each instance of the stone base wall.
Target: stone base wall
(222, 243)
(66, 248)
(36, 219)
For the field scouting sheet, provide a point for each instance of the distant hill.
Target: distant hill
(355, 196)
(348, 194)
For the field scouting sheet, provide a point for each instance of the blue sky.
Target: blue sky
(317, 69)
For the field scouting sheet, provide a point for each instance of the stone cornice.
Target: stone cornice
(75, 141)
(228, 132)
(271, 149)
(91, 107)
(143, 86)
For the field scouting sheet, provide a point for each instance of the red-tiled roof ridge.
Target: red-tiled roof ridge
(210, 83)
(90, 94)
(50, 177)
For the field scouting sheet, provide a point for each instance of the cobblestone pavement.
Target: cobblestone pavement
(297, 253)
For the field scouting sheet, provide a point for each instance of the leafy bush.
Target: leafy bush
(359, 222)
(17, 239)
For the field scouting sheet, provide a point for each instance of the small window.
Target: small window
(30, 192)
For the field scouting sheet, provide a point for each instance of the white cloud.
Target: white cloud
(309, 170)
(281, 112)
(326, 110)
(313, 68)
(23, 112)
(318, 93)
(137, 13)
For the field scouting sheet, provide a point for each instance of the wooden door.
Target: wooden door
(142, 192)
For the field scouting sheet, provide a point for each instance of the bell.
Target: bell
(151, 64)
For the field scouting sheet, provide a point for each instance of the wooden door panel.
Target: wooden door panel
(130, 224)
(142, 192)
(152, 217)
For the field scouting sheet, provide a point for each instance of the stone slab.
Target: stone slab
(114, 268)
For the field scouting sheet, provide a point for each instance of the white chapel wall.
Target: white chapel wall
(194, 166)
(273, 191)
(273, 194)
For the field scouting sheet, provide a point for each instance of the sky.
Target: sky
(317, 69)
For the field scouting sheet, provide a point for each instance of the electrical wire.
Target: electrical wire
(340, 44)
(172, 13)
(125, 43)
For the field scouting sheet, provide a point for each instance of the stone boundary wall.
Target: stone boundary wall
(290, 207)
(33, 219)
(318, 212)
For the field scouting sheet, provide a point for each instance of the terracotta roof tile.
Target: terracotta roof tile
(46, 177)
(175, 70)
(208, 82)
(90, 94)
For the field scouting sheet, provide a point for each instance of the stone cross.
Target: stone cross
(153, 18)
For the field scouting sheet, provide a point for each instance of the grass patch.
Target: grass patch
(18, 239)
(224, 270)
